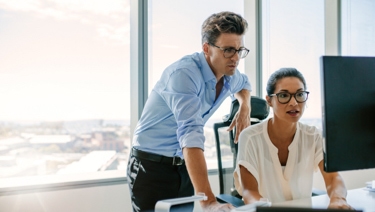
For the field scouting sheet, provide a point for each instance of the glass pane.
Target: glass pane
(293, 36)
(64, 84)
(175, 31)
(358, 27)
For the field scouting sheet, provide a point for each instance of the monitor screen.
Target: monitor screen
(348, 113)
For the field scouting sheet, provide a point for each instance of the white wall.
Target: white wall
(94, 199)
(108, 198)
(352, 179)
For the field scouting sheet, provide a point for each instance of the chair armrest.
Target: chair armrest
(227, 198)
(263, 202)
(317, 192)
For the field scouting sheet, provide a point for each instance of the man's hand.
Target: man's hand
(241, 120)
(216, 207)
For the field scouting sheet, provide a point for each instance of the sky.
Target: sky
(64, 60)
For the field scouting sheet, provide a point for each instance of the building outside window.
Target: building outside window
(64, 84)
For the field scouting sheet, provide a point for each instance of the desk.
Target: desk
(359, 199)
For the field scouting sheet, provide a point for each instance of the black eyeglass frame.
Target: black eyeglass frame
(290, 97)
(241, 49)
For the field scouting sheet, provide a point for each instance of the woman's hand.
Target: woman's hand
(339, 203)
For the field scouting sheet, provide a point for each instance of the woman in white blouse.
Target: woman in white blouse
(277, 158)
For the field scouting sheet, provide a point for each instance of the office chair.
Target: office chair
(259, 112)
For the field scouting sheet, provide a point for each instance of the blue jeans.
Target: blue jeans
(151, 181)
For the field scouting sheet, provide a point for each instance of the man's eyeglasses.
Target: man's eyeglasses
(229, 52)
(285, 97)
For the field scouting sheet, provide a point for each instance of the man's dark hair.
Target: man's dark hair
(223, 22)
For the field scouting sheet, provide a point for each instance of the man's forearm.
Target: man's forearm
(197, 168)
(242, 118)
(243, 96)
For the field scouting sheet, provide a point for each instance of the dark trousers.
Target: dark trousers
(151, 181)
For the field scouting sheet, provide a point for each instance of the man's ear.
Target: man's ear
(205, 48)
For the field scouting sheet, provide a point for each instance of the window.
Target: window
(64, 84)
(293, 36)
(358, 28)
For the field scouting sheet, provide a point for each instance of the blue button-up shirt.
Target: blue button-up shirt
(180, 104)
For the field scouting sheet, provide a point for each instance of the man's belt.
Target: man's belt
(176, 161)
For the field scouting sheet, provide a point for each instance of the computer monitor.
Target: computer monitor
(348, 113)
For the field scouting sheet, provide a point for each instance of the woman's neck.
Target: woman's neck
(281, 135)
(281, 132)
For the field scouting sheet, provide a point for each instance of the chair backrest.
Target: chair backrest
(259, 109)
(259, 112)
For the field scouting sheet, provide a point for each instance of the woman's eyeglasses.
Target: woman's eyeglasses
(285, 97)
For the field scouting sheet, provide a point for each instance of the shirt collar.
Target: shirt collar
(207, 72)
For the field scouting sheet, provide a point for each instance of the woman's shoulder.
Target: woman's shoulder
(253, 131)
(255, 128)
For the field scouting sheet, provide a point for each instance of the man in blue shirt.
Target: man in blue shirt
(167, 159)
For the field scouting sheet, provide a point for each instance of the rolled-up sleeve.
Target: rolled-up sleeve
(181, 95)
(239, 82)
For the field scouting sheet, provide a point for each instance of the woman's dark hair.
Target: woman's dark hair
(280, 74)
(223, 22)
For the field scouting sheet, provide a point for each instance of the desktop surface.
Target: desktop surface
(359, 199)
(295, 209)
